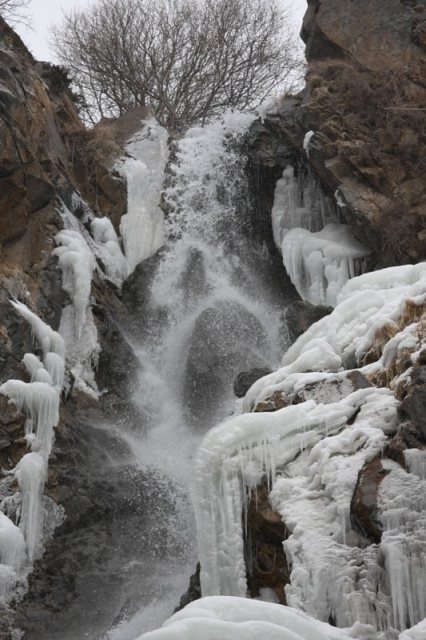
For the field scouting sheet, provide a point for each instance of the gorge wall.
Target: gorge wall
(364, 104)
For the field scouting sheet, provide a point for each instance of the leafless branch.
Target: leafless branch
(14, 11)
(186, 60)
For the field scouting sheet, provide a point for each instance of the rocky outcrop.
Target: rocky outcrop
(245, 379)
(265, 559)
(364, 101)
(364, 510)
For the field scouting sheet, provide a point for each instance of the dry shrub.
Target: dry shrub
(392, 375)
(381, 338)
(102, 146)
(381, 112)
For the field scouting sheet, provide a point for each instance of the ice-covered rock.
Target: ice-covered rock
(39, 402)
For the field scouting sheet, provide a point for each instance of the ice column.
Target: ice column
(39, 401)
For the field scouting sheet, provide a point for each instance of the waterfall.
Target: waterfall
(210, 309)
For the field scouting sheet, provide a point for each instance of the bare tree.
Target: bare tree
(187, 60)
(14, 11)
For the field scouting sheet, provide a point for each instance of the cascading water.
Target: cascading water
(212, 308)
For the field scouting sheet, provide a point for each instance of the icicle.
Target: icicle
(31, 475)
(12, 544)
(48, 339)
(39, 401)
(252, 442)
(319, 264)
(109, 250)
(77, 325)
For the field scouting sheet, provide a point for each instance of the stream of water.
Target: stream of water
(212, 309)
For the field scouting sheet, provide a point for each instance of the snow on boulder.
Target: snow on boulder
(366, 305)
(231, 618)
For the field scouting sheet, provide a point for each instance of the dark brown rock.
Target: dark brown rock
(245, 379)
(364, 510)
(414, 407)
(194, 589)
(301, 315)
(265, 559)
(275, 402)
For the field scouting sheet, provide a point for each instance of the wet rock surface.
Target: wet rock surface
(364, 103)
(265, 559)
(300, 315)
(364, 509)
(194, 589)
(245, 379)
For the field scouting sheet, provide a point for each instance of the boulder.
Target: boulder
(414, 407)
(245, 379)
(364, 509)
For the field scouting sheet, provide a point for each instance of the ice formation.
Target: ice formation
(109, 249)
(77, 262)
(307, 139)
(39, 401)
(319, 253)
(233, 618)
(319, 264)
(12, 555)
(300, 202)
(402, 502)
(233, 458)
(142, 227)
(311, 455)
(48, 340)
(366, 304)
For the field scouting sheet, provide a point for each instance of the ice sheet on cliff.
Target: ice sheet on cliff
(311, 454)
(77, 262)
(142, 227)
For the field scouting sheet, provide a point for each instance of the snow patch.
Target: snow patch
(233, 618)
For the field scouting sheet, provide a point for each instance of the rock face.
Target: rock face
(265, 559)
(364, 101)
(48, 158)
(245, 379)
